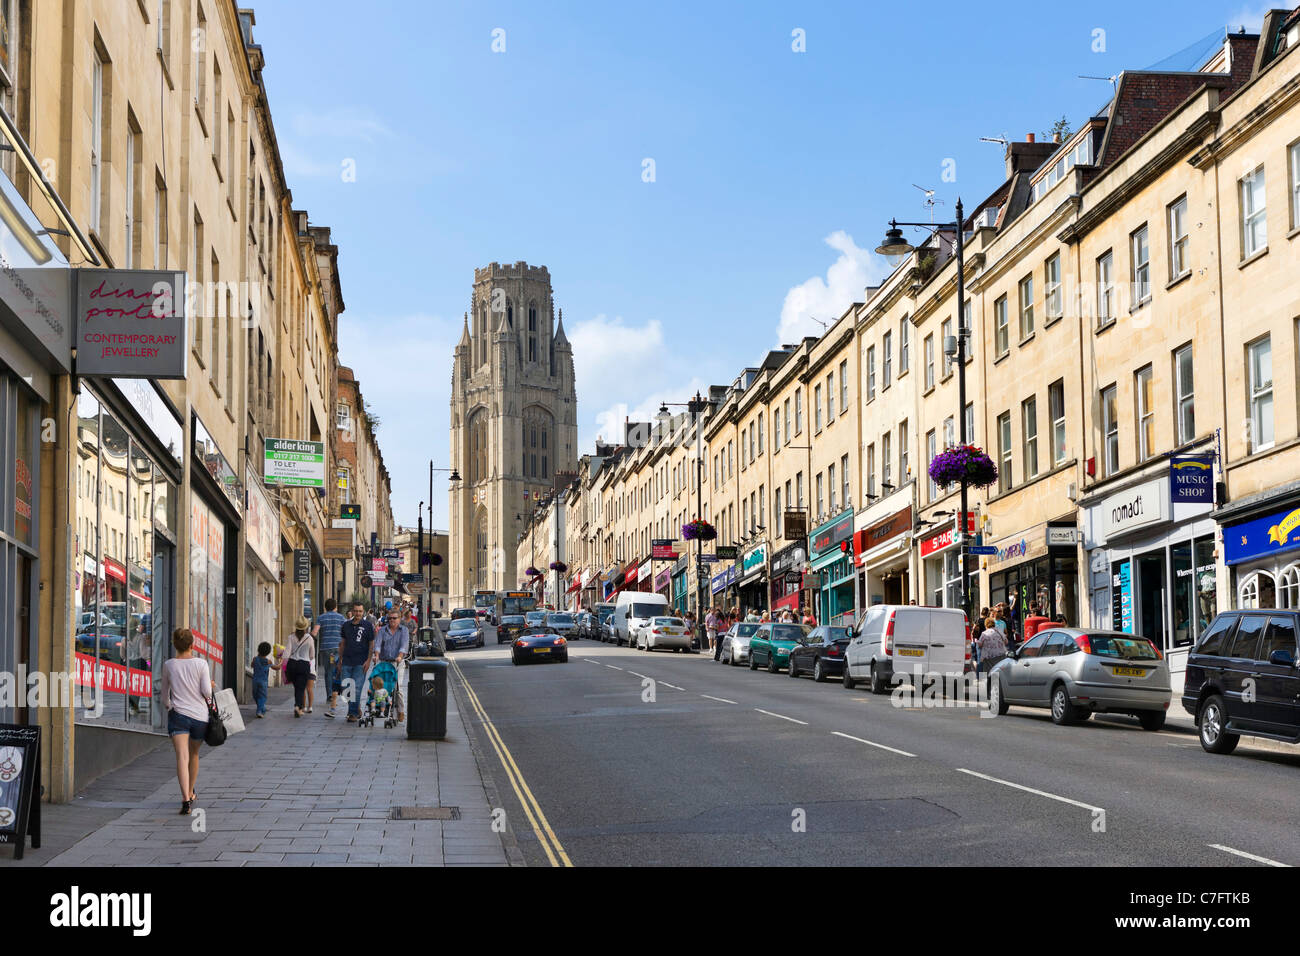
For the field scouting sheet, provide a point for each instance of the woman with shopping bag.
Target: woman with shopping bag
(186, 691)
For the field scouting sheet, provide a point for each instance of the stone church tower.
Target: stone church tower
(514, 415)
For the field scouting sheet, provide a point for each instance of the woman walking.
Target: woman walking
(185, 690)
(302, 652)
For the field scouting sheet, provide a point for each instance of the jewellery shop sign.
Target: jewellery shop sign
(131, 323)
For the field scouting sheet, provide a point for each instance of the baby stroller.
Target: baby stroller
(383, 709)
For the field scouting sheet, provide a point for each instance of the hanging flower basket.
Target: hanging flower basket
(559, 566)
(948, 467)
(532, 571)
(698, 529)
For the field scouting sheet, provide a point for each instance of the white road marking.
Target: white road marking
(719, 699)
(590, 661)
(642, 676)
(782, 716)
(615, 668)
(872, 743)
(1250, 856)
(1040, 793)
(673, 686)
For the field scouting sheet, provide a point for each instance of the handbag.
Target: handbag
(215, 735)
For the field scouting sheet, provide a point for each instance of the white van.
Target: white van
(632, 609)
(900, 639)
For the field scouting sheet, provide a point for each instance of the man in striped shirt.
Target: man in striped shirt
(328, 633)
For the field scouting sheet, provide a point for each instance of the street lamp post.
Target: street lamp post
(428, 575)
(696, 408)
(896, 248)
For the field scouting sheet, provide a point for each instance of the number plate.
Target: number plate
(1129, 672)
(541, 650)
(910, 652)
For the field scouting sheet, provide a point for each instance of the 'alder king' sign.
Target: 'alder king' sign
(292, 462)
(131, 323)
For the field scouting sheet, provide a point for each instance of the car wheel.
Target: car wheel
(849, 682)
(819, 675)
(878, 684)
(1151, 719)
(791, 668)
(753, 660)
(997, 703)
(1064, 713)
(1212, 723)
(771, 663)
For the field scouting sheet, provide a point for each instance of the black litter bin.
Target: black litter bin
(426, 706)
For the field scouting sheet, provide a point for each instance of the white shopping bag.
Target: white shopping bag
(228, 707)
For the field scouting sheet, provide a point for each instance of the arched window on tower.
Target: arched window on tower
(539, 429)
(478, 446)
(510, 315)
(481, 550)
(532, 333)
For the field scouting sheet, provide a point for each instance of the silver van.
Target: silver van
(903, 640)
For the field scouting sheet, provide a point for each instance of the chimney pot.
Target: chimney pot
(1029, 137)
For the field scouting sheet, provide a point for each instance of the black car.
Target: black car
(539, 645)
(1242, 678)
(511, 626)
(822, 654)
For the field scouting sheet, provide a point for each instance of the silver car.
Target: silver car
(1077, 673)
(735, 643)
(563, 623)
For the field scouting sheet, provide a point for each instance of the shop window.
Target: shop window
(1288, 587)
(1257, 591)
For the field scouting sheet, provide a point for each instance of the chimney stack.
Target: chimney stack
(1029, 137)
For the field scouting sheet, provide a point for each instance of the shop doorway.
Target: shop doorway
(1152, 588)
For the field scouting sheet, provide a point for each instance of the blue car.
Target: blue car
(464, 632)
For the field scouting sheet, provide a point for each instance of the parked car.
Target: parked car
(465, 632)
(1078, 673)
(632, 610)
(604, 612)
(772, 643)
(110, 647)
(735, 643)
(562, 622)
(539, 644)
(897, 639)
(822, 655)
(1237, 647)
(511, 626)
(671, 632)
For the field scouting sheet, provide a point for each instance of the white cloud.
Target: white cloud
(826, 299)
(344, 122)
(624, 372)
(403, 364)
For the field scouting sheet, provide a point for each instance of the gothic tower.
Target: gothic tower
(514, 415)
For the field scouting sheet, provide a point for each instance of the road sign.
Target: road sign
(709, 559)
(413, 578)
(725, 552)
(390, 553)
(982, 549)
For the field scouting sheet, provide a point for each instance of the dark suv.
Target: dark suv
(1242, 678)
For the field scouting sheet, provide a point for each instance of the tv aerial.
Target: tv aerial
(930, 201)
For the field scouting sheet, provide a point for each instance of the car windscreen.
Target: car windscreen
(1124, 648)
(837, 633)
(462, 612)
(644, 610)
(464, 625)
(746, 630)
(534, 616)
(788, 632)
(560, 619)
(513, 619)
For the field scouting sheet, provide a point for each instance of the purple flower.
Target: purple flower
(951, 465)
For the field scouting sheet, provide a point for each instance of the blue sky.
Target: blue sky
(775, 171)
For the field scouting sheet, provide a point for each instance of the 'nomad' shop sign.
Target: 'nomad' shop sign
(131, 323)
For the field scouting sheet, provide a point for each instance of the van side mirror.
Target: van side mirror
(1283, 658)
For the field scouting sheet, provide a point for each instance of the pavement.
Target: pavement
(291, 791)
(672, 759)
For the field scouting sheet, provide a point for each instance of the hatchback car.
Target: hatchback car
(464, 632)
(735, 643)
(822, 655)
(511, 626)
(772, 643)
(670, 632)
(1077, 673)
(1242, 678)
(562, 622)
(535, 618)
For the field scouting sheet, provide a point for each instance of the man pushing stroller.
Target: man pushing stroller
(391, 646)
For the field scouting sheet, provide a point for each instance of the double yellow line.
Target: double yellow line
(532, 809)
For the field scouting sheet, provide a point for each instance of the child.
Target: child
(379, 694)
(261, 676)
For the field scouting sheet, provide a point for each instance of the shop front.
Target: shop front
(1262, 552)
(787, 577)
(835, 572)
(1151, 566)
(721, 584)
(214, 508)
(1041, 564)
(941, 566)
(664, 584)
(883, 553)
(752, 583)
(261, 570)
(681, 587)
(127, 474)
(645, 576)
